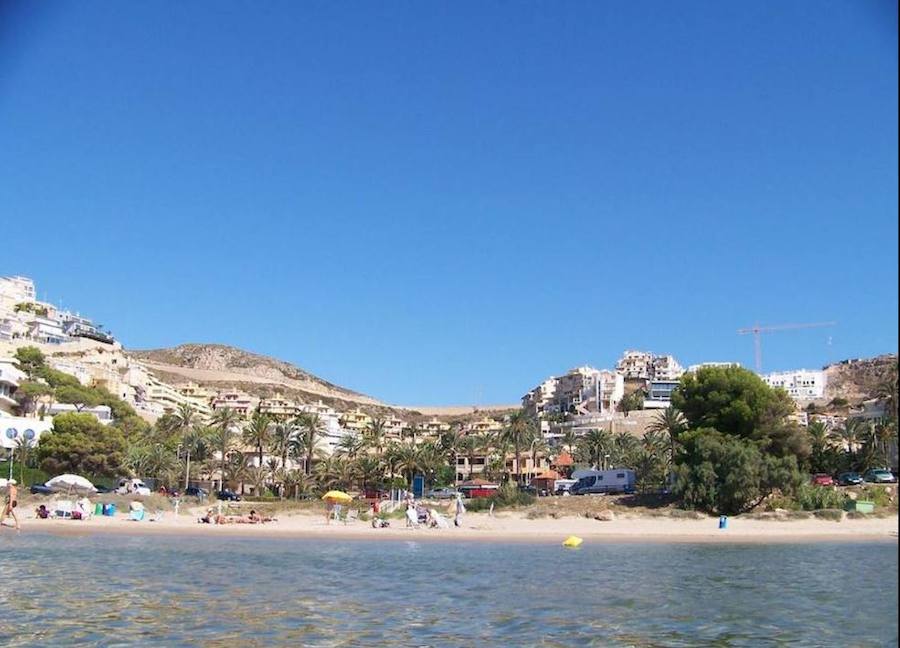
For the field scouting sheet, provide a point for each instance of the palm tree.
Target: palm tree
(595, 445)
(849, 437)
(282, 437)
(350, 445)
(258, 433)
(374, 435)
(569, 439)
(236, 469)
(411, 432)
(224, 421)
(671, 422)
(469, 446)
(195, 443)
(539, 446)
(519, 432)
(408, 460)
(311, 428)
(369, 470)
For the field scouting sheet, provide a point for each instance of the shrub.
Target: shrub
(808, 498)
(835, 515)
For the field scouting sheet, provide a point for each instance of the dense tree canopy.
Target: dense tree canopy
(80, 444)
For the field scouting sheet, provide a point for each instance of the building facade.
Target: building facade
(802, 384)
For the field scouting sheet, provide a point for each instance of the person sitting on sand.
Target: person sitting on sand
(208, 518)
(256, 518)
(41, 512)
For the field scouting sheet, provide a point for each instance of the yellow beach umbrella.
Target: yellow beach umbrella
(337, 496)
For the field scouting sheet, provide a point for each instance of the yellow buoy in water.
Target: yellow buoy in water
(572, 541)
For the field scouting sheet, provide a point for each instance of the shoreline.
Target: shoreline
(480, 528)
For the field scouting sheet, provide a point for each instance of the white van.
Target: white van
(563, 486)
(132, 487)
(617, 480)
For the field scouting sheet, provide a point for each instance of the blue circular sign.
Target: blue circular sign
(28, 434)
(11, 433)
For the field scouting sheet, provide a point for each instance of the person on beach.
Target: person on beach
(412, 517)
(12, 501)
(41, 512)
(459, 510)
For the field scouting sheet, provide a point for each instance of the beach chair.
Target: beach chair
(136, 516)
(63, 509)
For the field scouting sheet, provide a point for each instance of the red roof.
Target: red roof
(548, 474)
(564, 459)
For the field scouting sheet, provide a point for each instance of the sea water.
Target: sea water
(113, 590)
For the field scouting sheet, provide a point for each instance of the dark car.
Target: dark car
(850, 479)
(104, 489)
(228, 495)
(822, 480)
(40, 489)
(196, 491)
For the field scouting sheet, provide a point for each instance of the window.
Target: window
(620, 475)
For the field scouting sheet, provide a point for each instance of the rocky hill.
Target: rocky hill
(219, 366)
(861, 378)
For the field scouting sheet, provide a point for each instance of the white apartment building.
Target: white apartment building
(15, 290)
(279, 407)
(580, 391)
(235, 400)
(702, 365)
(22, 428)
(102, 413)
(666, 367)
(355, 421)
(434, 428)
(636, 365)
(10, 377)
(801, 384)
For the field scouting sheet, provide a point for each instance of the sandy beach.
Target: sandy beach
(504, 527)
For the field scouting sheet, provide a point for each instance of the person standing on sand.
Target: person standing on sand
(460, 508)
(12, 501)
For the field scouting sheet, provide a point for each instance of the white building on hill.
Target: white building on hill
(800, 384)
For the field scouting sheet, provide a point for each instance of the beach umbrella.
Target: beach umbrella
(337, 496)
(71, 483)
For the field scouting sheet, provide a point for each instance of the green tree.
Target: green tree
(672, 423)
(729, 475)
(736, 402)
(374, 435)
(30, 360)
(310, 430)
(632, 402)
(79, 396)
(79, 443)
(595, 445)
(519, 432)
(29, 393)
(258, 433)
(225, 422)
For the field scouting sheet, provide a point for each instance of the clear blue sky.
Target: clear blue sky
(444, 203)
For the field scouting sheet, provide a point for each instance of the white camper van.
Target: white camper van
(617, 480)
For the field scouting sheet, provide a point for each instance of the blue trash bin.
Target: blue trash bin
(723, 522)
(112, 510)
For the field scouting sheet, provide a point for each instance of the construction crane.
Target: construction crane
(757, 330)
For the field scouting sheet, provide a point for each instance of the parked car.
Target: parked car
(441, 493)
(822, 480)
(850, 479)
(132, 487)
(104, 489)
(196, 491)
(528, 488)
(40, 489)
(564, 486)
(879, 476)
(228, 495)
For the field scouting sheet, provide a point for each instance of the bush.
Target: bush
(835, 515)
(507, 496)
(726, 475)
(808, 498)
